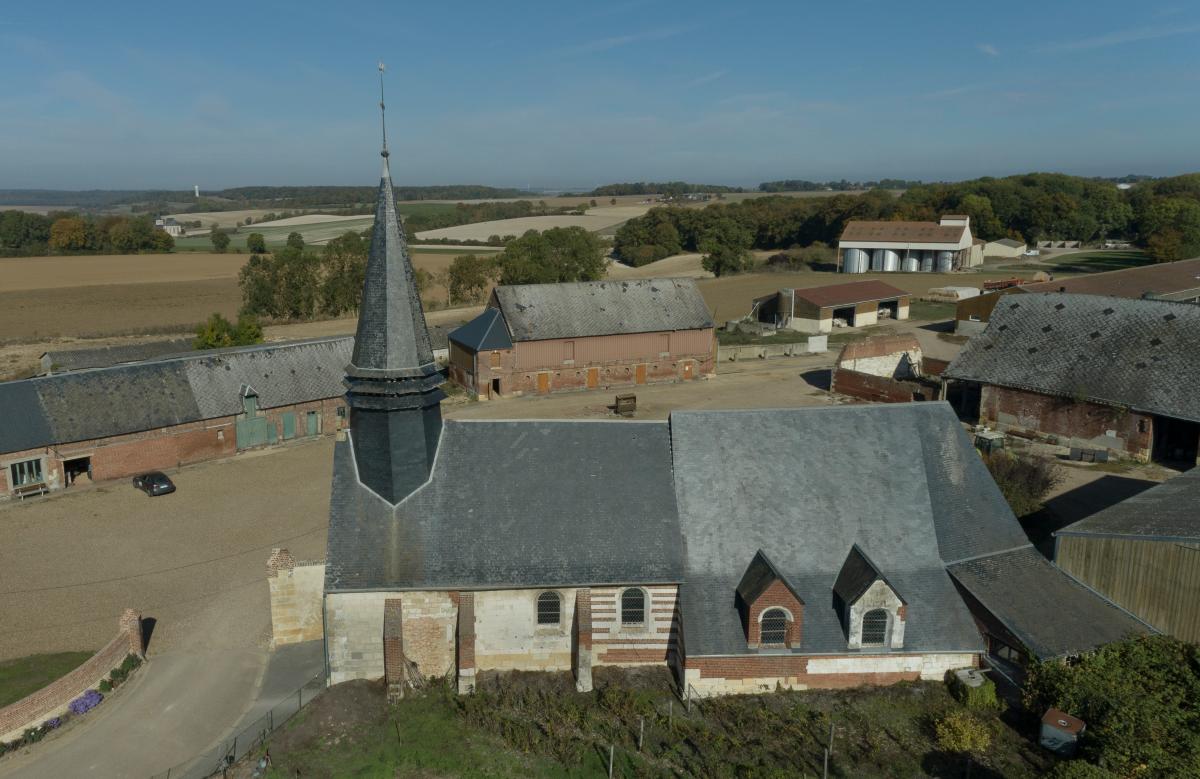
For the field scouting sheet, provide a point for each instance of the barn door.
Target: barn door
(543, 383)
(593, 378)
(639, 375)
(689, 369)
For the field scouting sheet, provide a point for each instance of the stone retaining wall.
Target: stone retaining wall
(297, 588)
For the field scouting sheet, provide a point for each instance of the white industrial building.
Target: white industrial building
(909, 247)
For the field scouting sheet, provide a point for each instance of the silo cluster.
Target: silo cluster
(891, 261)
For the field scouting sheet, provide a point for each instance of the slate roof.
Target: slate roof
(535, 312)
(1167, 512)
(857, 575)
(63, 360)
(1050, 612)
(902, 232)
(900, 480)
(87, 404)
(849, 293)
(1141, 354)
(759, 575)
(515, 504)
(392, 339)
(486, 331)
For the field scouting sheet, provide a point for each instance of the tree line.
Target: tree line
(297, 283)
(668, 188)
(1162, 216)
(25, 234)
(803, 185)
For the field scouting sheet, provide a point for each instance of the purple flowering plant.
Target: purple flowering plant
(86, 702)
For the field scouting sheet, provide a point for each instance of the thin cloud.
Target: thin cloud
(1121, 37)
(942, 94)
(707, 78)
(988, 49)
(607, 44)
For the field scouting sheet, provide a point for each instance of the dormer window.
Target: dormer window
(872, 612)
(773, 628)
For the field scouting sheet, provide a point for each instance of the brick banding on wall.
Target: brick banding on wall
(52, 699)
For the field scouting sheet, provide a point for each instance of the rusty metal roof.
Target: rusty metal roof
(903, 232)
(849, 293)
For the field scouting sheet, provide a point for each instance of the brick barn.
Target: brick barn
(112, 423)
(1087, 372)
(813, 310)
(886, 369)
(552, 337)
(745, 550)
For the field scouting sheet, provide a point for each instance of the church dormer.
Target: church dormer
(393, 385)
(871, 610)
(772, 612)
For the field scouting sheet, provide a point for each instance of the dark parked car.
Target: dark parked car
(154, 483)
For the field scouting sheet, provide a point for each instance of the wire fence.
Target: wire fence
(219, 759)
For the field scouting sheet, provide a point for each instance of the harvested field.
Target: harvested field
(679, 266)
(275, 234)
(40, 273)
(481, 231)
(222, 218)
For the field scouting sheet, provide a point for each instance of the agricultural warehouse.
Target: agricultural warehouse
(1088, 372)
(553, 337)
(820, 309)
(115, 422)
(911, 247)
(1178, 281)
(887, 369)
(743, 549)
(1005, 248)
(1141, 553)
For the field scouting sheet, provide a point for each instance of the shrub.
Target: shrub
(32, 736)
(1079, 769)
(963, 733)
(86, 702)
(1024, 481)
(981, 698)
(105, 686)
(130, 662)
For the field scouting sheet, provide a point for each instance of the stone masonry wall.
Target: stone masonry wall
(1075, 423)
(296, 598)
(509, 638)
(52, 700)
(625, 645)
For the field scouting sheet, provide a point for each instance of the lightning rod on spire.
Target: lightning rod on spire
(382, 111)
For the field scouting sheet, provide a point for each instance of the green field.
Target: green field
(1087, 262)
(27, 675)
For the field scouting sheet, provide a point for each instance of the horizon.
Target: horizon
(554, 101)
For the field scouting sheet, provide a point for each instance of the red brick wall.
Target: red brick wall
(393, 641)
(777, 595)
(1013, 409)
(878, 389)
(32, 710)
(326, 408)
(466, 631)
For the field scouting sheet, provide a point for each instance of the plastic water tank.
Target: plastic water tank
(855, 261)
(945, 261)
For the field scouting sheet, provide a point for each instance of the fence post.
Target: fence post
(670, 716)
(610, 760)
(299, 699)
(641, 731)
(831, 735)
(825, 773)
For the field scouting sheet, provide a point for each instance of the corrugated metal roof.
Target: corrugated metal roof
(1051, 613)
(1141, 354)
(486, 331)
(1169, 511)
(535, 312)
(102, 402)
(850, 293)
(902, 232)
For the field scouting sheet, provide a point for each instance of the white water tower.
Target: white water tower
(196, 187)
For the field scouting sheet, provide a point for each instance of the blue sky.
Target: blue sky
(131, 95)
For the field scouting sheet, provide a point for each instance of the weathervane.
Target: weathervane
(382, 117)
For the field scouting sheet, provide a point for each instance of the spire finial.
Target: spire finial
(382, 111)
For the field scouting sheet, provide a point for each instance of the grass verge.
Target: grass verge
(26, 675)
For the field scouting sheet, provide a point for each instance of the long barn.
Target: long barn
(551, 337)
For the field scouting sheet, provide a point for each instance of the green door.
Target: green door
(289, 426)
(314, 423)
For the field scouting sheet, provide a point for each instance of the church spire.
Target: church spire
(393, 384)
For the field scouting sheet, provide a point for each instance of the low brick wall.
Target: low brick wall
(879, 389)
(52, 699)
(296, 588)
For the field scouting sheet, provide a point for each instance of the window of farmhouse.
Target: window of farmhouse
(774, 626)
(874, 627)
(633, 607)
(25, 472)
(549, 608)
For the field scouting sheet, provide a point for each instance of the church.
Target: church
(744, 550)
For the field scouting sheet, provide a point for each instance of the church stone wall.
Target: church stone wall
(625, 645)
(507, 636)
(354, 635)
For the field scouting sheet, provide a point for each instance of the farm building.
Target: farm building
(1178, 281)
(818, 309)
(169, 226)
(1141, 554)
(728, 546)
(1088, 372)
(553, 337)
(886, 369)
(911, 247)
(111, 423)
(1004, 248)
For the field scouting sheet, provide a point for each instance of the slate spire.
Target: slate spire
(392, 382)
